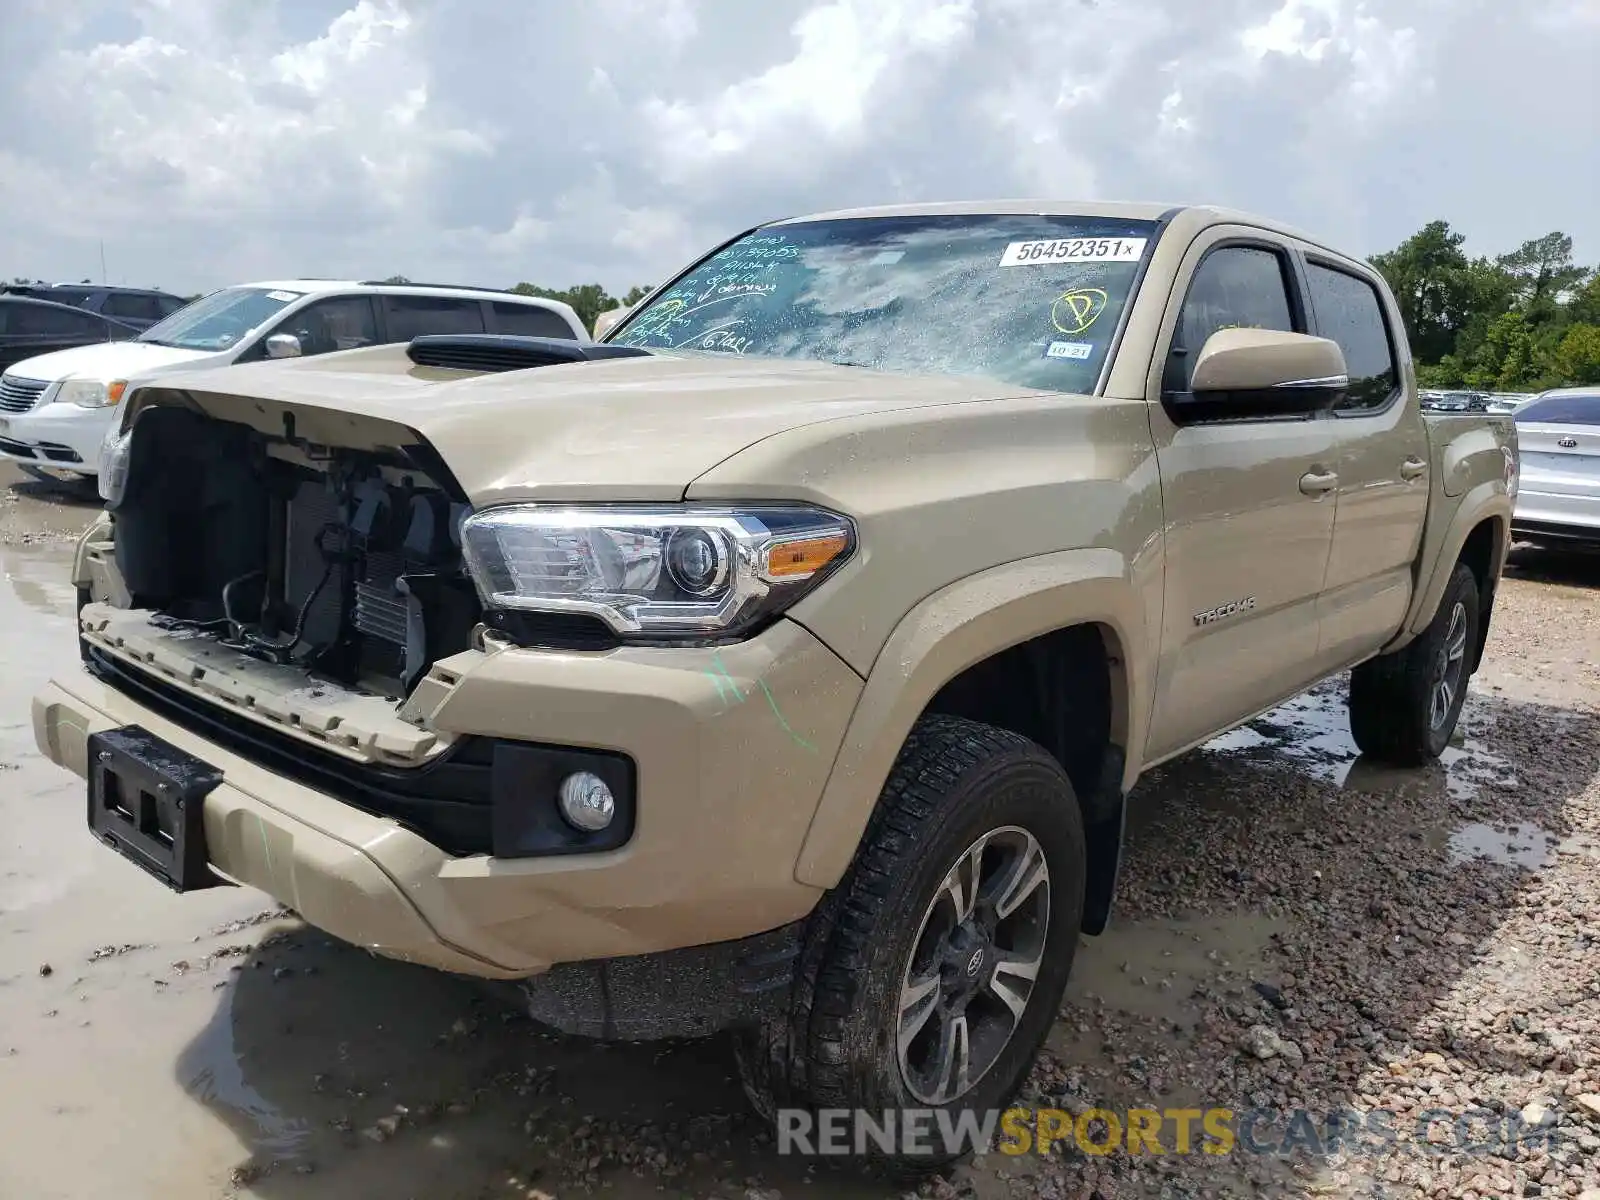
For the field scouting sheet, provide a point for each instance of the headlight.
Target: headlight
(112, 476)
(91, 393)
(672, 571)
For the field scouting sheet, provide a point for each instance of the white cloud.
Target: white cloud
(849, 53)
(213, 141)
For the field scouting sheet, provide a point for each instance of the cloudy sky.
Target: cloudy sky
(491, 141)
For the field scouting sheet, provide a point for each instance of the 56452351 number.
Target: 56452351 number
(1057, 250)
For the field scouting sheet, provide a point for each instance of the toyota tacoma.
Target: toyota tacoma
(780, 663)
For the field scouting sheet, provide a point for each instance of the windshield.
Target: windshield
(1027, 299)
(219, 320)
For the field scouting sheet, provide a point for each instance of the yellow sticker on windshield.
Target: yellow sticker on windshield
(1075, 311)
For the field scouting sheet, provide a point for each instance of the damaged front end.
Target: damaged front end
(309, 584)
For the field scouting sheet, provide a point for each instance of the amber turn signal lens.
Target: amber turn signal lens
(802, 557)
(115, 389)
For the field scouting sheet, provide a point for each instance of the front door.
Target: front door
(1249, 511)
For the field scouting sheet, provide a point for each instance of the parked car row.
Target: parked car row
(29, 328)
(138, 307)
(55, 408)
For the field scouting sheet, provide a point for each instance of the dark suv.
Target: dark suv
(139, 307)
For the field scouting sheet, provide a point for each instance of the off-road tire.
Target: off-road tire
(954, 781)
(1391, 696)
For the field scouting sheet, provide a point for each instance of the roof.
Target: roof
(1130, 210)
(86, 287)
(979, 208)
(319, 286)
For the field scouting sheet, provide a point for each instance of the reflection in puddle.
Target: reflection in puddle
(38, 578)
(211, 1072)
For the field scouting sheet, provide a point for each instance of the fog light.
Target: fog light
(586, 802)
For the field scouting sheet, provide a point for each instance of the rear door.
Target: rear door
(1249, 507)
(1383, 466)
(1558, 446)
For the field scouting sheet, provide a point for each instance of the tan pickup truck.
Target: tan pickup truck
(781, 663)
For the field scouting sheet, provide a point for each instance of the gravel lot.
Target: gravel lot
(1298, 930)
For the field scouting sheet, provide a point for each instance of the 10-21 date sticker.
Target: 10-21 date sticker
(1073, 250)
(1077, 350)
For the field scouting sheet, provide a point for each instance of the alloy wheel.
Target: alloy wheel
(1447, 667)
(973, 967)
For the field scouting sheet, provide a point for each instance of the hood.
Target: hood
(104, 361)
(620, 429)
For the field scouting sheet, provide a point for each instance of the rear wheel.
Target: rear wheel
(1404, 706)
(947, 945)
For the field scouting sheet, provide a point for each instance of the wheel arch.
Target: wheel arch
(1478, 534)
(991, 647)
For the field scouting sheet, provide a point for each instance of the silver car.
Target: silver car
(1558, 498)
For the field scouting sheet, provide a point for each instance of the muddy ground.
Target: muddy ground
(1298, 930)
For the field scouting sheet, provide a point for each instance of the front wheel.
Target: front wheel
(950, 944)
(1404, 706)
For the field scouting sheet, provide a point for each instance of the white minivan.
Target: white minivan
(55, 409)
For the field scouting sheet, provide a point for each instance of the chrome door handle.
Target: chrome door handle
(1412, 468)
(1317, 483)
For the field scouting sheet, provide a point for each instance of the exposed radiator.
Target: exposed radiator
(381, 611)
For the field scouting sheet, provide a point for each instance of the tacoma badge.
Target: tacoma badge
(1232, 608)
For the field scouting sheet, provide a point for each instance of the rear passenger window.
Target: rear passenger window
(46, 320)
(530, 320)
(140, 308)
(1234, 287)
(1348, 311)
(413, 316)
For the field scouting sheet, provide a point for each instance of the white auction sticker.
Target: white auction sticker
(283, 296)
(1071, 250)
(1070, 350)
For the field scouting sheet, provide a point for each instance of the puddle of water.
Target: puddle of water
(1312, 731)
(1514, 845)
(1470, 767)
(211, 1071)
(37, 601)
(1150, 969)
(1242, 738)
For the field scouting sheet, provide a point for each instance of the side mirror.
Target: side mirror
(283, 345)
(1268, 370)
(607, 321)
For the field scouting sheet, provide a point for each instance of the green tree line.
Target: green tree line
(1516, 322)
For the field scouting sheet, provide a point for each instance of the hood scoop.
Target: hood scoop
(494, 352)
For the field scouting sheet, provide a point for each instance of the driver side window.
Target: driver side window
(1234, 287)
(338, 323)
